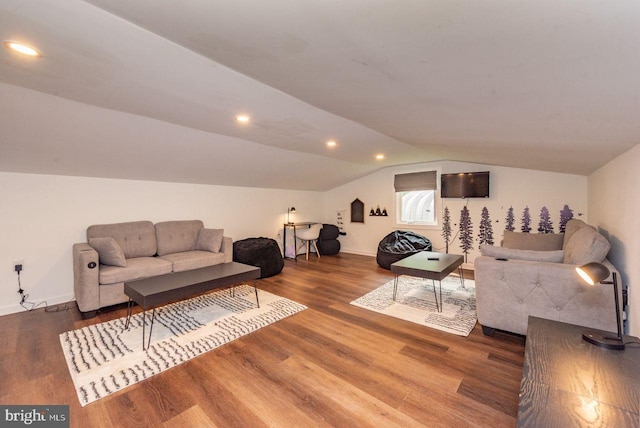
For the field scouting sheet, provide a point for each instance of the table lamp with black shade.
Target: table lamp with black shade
(593, 273)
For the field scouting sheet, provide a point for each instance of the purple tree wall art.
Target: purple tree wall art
(510, 220)
(545, 225)
(446, 228)
(565, 215)
(466, 232)
(526, 221)
(486, 231)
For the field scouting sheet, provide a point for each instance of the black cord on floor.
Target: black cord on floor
(31, 306)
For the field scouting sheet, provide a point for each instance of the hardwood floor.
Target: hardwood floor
(331, 365)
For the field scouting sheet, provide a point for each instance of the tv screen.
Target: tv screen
(465, 185)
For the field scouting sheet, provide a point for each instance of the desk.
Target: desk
(568, 382)
(295, 243)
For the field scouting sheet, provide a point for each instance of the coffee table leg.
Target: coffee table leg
(256, 290)
(147, 342)
(461, 275)
(441, 302)
(435, 295)
(144, 326)
(153, 317)
(395, 287)
(129, 310)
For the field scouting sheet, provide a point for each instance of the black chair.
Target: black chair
(328, 243)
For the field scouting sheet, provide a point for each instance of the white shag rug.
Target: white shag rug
(105, 358)
(415, 302)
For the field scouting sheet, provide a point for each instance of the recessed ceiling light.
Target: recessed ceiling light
(23, 49)
(243, 118)
(331, 143)
(380, 156)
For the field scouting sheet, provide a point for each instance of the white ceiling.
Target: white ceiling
(148, 89)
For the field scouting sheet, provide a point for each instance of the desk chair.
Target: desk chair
(309, 236)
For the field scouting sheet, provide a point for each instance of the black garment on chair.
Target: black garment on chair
(398, 245)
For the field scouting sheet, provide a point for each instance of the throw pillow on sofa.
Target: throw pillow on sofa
(210, 240)
(572, 227)
(109, 252)
(586, 245)
(532, 241)
(556, 256)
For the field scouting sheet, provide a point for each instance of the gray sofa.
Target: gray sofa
(116, 253)
(539, 278)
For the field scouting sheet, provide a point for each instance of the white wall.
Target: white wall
(614, 205)
(508, 187)
(42, 216)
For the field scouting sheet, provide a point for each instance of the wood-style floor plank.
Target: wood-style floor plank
(192, 417)
(334, 364)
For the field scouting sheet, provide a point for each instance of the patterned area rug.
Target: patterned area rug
(415, 302)
(105, 358)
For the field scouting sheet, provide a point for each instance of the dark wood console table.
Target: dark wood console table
(568, 382)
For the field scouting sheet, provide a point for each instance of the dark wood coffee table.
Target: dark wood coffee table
(428, 265)
(163, 289)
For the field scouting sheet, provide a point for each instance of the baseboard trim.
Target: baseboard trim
(360, 253)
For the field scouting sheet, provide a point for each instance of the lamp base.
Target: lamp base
(602, 340)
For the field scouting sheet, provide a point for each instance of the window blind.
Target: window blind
(427, 180)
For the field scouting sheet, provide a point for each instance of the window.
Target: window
(416, 198)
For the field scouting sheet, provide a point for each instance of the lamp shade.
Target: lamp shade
(592, 273)
(596, 273)
(292, 209)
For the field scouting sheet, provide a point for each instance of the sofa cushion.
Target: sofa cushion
(572, 227)
(210, 240)
(177, 236)
(556, 256)
(109, 252)
(532, 241)
(586, 245)
(188, 260)
(136, 238)
(139, 267)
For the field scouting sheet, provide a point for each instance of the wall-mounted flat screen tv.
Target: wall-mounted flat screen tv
(465, 185)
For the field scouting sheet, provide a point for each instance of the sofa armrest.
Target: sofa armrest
(227, 249)
(508, 292)
(86, 271)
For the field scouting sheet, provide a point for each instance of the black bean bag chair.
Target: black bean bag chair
(328, 243)
(398, 245)
(260, 252)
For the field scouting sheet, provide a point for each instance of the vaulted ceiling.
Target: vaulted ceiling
(149, 89)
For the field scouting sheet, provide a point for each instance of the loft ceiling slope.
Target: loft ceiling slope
(548, 86)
